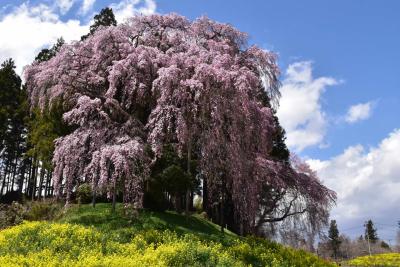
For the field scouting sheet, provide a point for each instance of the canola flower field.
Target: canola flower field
(94, 237)
(382, 260)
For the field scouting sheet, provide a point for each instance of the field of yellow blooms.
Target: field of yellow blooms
(87, 237)
(56, 244)
(383, 260)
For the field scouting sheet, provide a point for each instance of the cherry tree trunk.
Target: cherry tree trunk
(114, 199)
(189, 155)
(222, 214)
(94, 198)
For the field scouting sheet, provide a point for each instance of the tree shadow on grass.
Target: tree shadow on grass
(104, 220)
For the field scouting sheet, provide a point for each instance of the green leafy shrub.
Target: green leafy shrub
(11, 215)
(131, 212)
(204, 215)
(42, 210)
(84, 194)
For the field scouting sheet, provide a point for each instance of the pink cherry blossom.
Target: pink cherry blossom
(163, 79)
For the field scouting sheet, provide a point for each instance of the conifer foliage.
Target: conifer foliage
(370, 232)
(334, 240)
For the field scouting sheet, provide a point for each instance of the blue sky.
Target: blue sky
(340, 73)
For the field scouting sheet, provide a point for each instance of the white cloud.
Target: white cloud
(87, 6)
(30, 28)
(367, 183)
(359, 112)
(65, 5)
(300, 110)
(129, 8)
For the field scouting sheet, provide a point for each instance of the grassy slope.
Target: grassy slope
(102, 219)
(84, 236)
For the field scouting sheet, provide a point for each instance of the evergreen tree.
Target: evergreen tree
(48, 53)
(44, 127)
(13, 111)
(370, 232)
(104, 18)
(10, 84)
(279, 148)
(334, 240)
(384, 245)
(169, 178)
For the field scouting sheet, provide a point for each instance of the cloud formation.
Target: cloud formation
(29, 28)
(300, 111)
(129, 8)
(65, 5)
(367, 182)
(87, 5)
(359, 112)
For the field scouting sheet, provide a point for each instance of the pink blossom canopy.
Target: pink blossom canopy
(163, 79)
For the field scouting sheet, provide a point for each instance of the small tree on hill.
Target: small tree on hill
(370, 232)
(334, 240)
(385, 245)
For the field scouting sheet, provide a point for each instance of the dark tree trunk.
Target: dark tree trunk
(68, 197)
(14, 172)
(4, 178)
(177, 202)
(205, 196)
(222, 213)
(50, 186)
(94, 198)
(34, 180)
(189, 157)
(8, 182)
(191, 207)
(114, 198)
(28, 181)
(229, 218)
(46, 184)
(22, 176)
(41, 179)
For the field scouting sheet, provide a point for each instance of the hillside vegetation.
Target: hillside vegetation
(84, 236)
